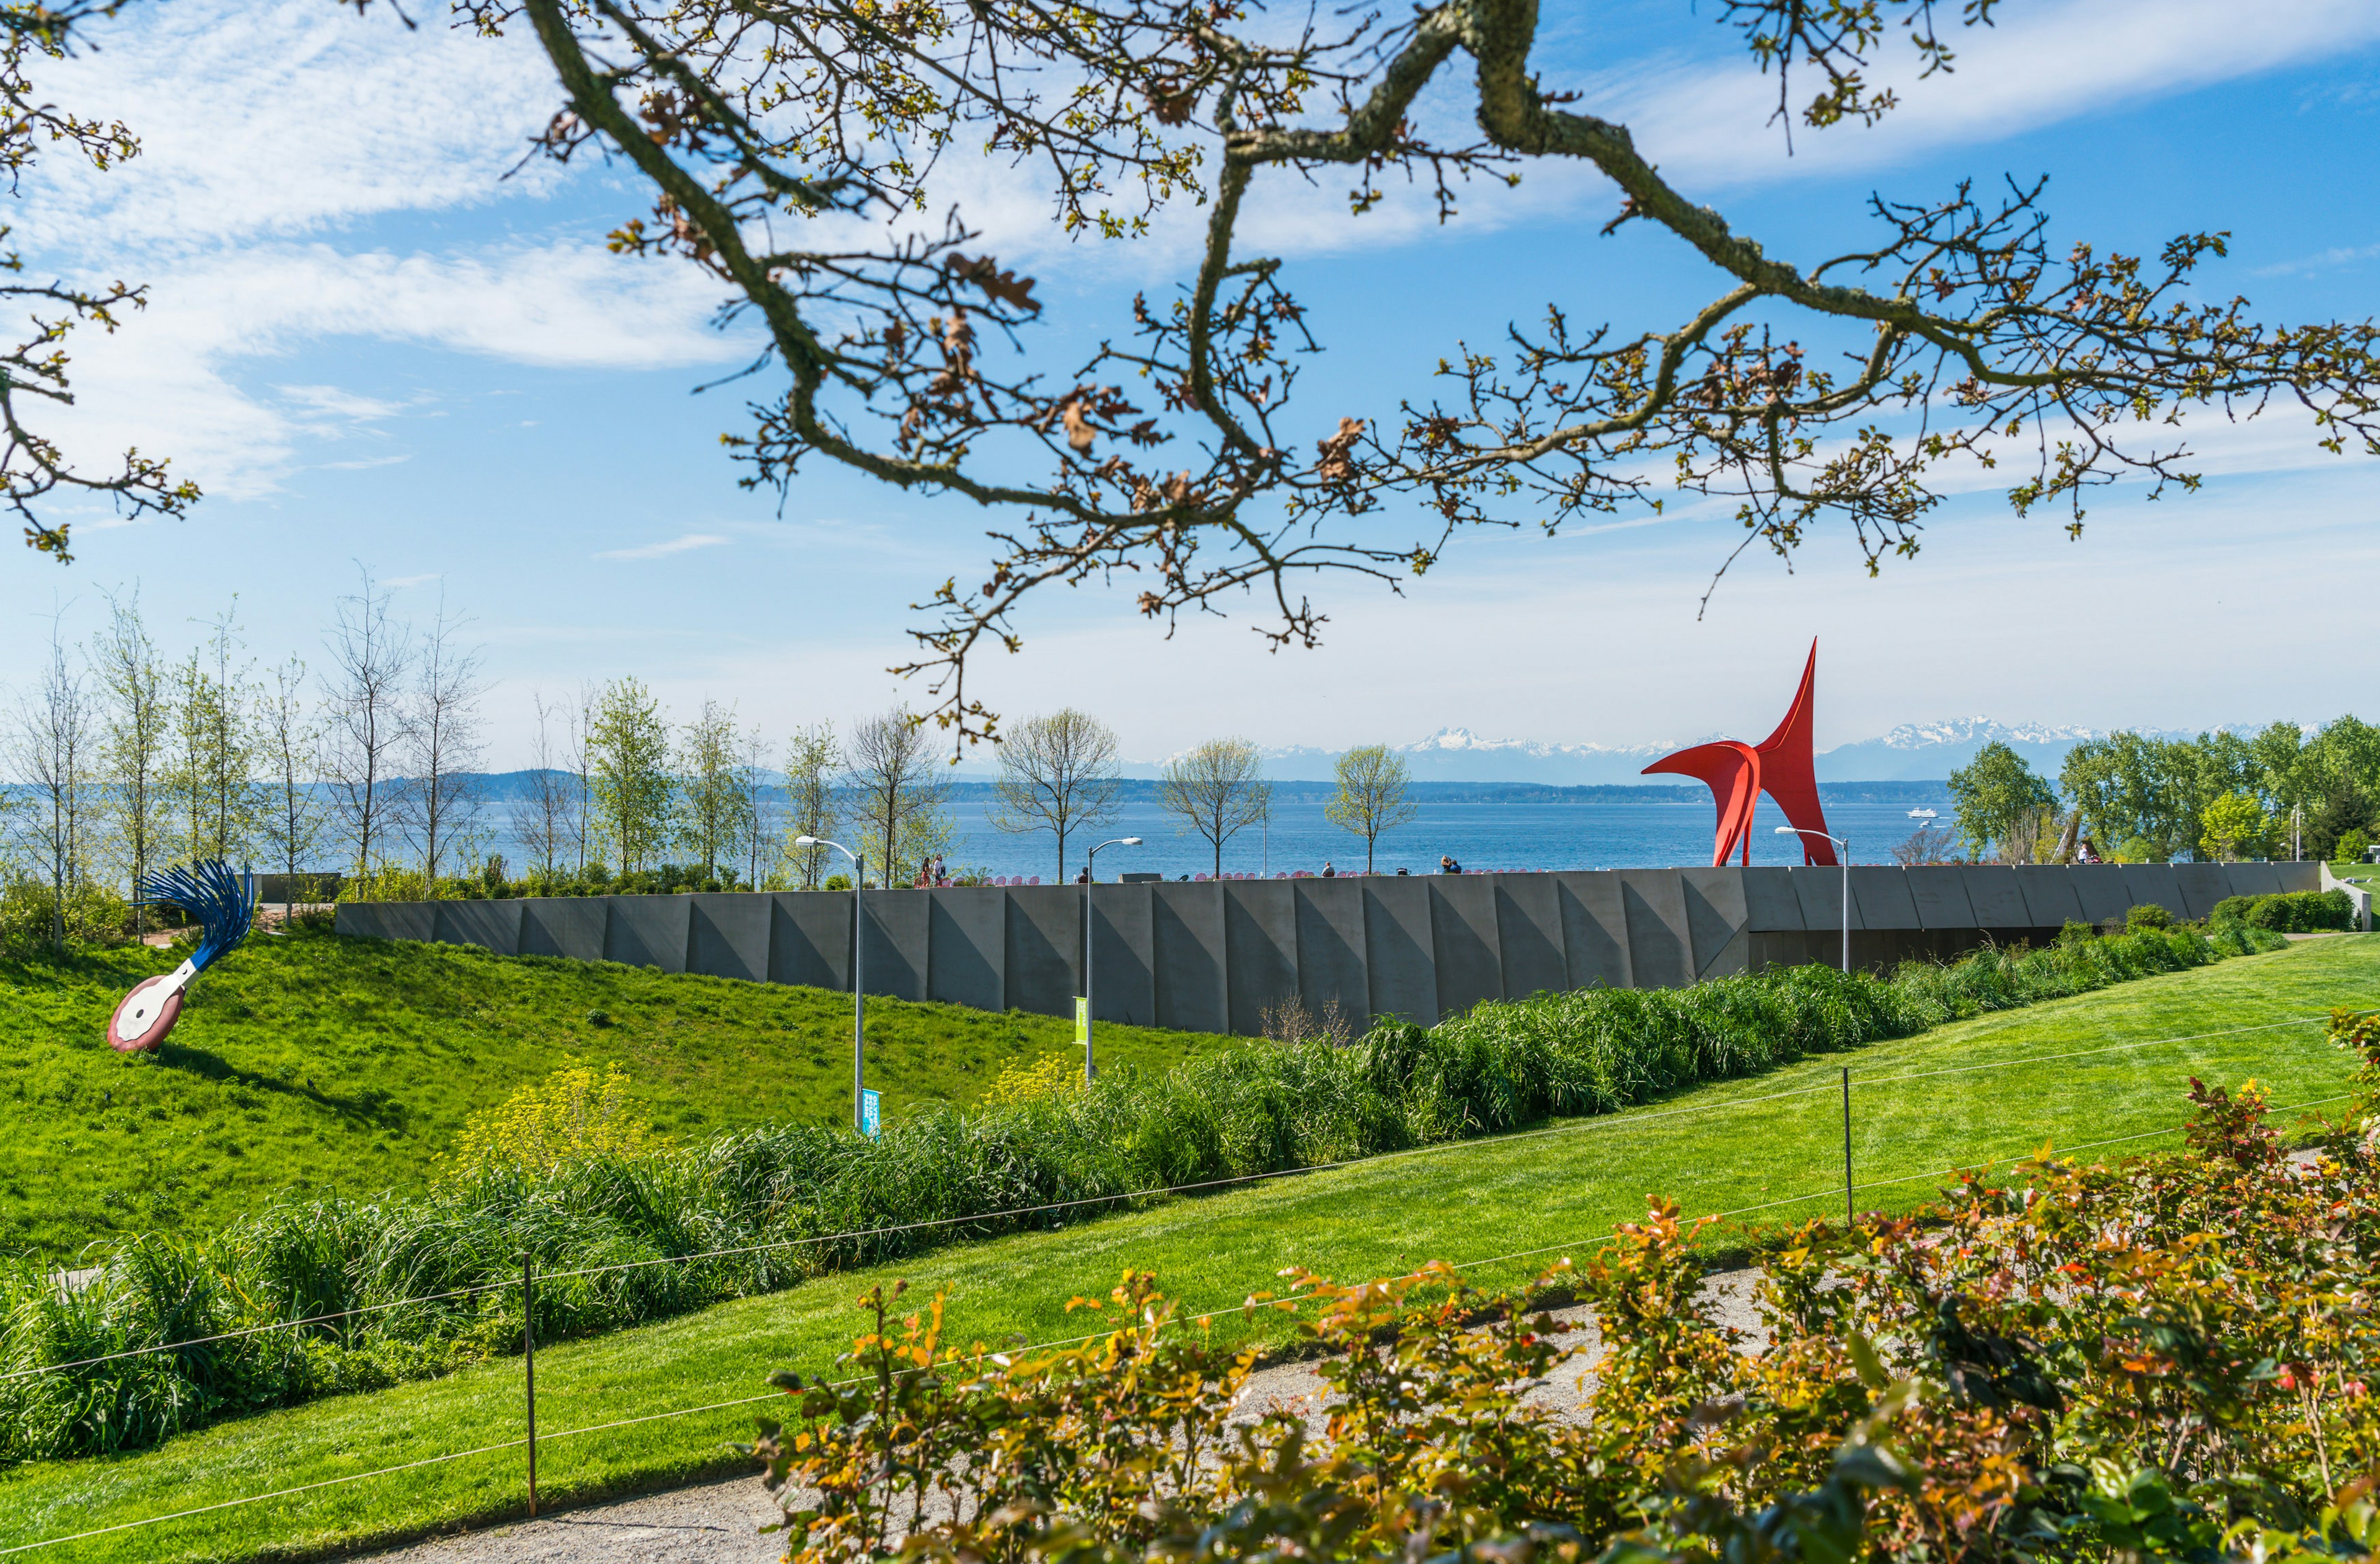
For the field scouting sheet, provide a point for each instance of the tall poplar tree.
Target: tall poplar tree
(135, 730)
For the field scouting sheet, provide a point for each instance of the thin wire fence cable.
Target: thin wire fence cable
(259, 1498)
(260, 1329)
(1606, 1121)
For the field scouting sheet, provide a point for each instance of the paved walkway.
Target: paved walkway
(719, 1522)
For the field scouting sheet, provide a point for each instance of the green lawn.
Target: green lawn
(316, 1065)
(1737, 1144)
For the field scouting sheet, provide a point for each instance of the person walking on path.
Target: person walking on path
(1446, 864)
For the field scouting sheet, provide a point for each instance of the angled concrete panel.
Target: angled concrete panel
(2048, 891)
(359, 920)
(1939, 893)
(1529, 935)
(2252, 880)
(1259, 949)
(2145, 883)
(1123, 967)
(1660, 946)
(565, 926)
(1820, 892)
(899, 932)
(1993, 891)
(2202, 885)
(1045, 948)
(1717, 909)
(2100, 889)
(648, 931)
(966, 949)
(1398, 949)
(1187, 931)
(810, 939)
(491, 926)
(1330, 966)
(1770, 903)
(1882, 896)
(1463, 940)
(731, 934)
(1594, 930)
(2306, 876)
(1737, 956)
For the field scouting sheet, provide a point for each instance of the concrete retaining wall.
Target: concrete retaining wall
(1213, 956)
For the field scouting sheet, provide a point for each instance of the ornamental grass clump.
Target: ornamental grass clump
(2175, 1357)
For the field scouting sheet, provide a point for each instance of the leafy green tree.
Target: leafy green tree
(2134, 790)
(2233, 826)
(628, 771)
(1373, 780)
(1218, 789)
(711, 789)
(1993, 792)
(2347, 808)
(1057, 774)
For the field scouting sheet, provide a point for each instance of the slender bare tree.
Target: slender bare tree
(135, 729)
(1373, 779)
(813, 758)
(752, 791)
(370, 655)
(547, 821)
(1218, 790)
(440, 800)
(49, 749)
(297, 817)
(897, 791)
(1057, 774)
(711, 813)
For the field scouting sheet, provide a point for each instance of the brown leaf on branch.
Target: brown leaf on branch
(1337, 465)
(1079, 432)
(1000, 287)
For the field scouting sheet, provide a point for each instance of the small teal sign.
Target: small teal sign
(871, 1113)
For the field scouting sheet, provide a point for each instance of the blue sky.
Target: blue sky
(369, 346)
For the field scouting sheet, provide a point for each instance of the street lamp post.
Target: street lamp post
(859, 990)
(1843, 845)
(1091, 877)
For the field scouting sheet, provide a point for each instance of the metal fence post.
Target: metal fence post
(528, 1367)
(1849, 1220)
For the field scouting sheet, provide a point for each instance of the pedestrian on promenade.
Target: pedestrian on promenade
(1327, 872)
(1446, 864)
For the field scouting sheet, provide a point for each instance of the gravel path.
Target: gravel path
(719, 1522)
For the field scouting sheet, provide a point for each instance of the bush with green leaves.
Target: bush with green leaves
(936, 1175)
(2288, 912)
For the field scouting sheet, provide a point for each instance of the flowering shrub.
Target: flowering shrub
(1035, 1079)
(572, 1116)
(2171, 1358)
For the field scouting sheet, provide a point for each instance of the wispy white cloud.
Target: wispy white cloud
(169, 384)
(673, 546)
(399, 583)
(2337, 255)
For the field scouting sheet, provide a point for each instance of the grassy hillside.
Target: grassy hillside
(2072, 1073)
(318, 1065)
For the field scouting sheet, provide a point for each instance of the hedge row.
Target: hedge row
(2289, 912)
(1251, 1109)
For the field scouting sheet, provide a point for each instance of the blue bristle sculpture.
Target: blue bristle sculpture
(224, 900)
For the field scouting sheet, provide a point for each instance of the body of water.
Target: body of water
(1506, 836)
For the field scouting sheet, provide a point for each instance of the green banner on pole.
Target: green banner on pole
(1082, 1020)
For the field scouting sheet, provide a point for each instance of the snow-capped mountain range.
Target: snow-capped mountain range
(1913, 752)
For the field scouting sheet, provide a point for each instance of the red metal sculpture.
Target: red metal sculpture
(1779, 766)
